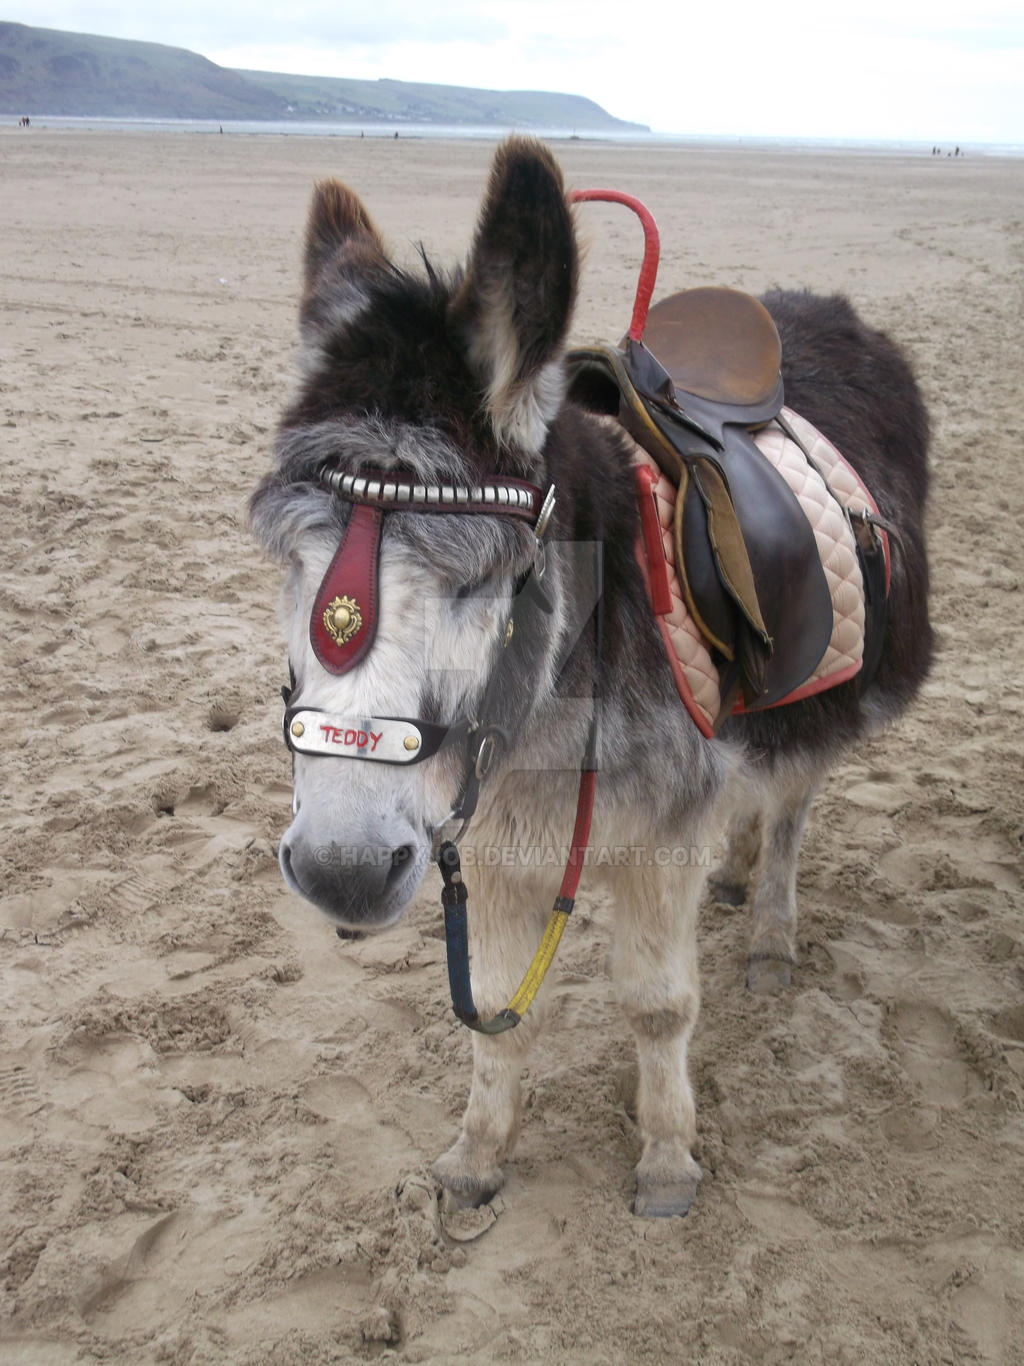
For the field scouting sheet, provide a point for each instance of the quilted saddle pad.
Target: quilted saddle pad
(828, 489)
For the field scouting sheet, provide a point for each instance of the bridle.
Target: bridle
(484, 734)
(411, 740)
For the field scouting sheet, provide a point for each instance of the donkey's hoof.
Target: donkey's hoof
(463, 1188)
(769, 976)
(662, 1199)
(727, 893)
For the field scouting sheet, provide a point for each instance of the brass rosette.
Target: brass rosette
(342, 619)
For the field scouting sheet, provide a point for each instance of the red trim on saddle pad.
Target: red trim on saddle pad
(657, 574)
(650, 528)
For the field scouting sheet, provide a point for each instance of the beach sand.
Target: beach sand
(216, 1117)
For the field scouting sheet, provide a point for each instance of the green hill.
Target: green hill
(411, 102)
(47, 71)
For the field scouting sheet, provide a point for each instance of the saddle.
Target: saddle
(706, 376)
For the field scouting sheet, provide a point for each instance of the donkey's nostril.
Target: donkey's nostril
(288, 867)
(400, 860)
(401, 856)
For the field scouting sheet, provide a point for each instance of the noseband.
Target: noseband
(342, 628)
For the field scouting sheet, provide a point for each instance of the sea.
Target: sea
(492, 133)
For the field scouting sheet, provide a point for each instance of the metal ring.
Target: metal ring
(484, 756)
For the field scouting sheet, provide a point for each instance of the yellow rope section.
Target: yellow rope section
(542, 960)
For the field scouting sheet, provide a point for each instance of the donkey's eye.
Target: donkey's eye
(469, 589)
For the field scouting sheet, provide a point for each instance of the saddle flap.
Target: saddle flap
(791, 589)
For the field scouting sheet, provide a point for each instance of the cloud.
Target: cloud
(268, 23)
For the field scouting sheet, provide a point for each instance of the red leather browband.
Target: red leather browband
(343, 622)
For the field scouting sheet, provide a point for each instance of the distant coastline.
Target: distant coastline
(461, 132)
(327, 128)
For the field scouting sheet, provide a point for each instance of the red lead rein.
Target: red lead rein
(652, 248)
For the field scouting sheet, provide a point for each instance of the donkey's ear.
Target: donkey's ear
(342, 247)
(515, 304)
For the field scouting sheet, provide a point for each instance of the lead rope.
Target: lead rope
(455, 897)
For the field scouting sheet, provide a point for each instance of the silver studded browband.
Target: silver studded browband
(513, 496)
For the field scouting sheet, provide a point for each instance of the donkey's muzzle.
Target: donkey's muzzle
(361, 886)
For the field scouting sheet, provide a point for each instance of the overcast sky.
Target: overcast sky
(932, 70)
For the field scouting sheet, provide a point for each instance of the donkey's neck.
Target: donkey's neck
(590, 462)
(646, 739)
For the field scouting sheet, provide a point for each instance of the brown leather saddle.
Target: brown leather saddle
(704, 377)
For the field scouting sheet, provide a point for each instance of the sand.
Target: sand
(217, 1117)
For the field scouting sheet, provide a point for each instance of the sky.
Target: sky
(921, 70)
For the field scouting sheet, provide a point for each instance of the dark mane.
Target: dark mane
(398, 359)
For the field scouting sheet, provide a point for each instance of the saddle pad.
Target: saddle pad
(820, 496)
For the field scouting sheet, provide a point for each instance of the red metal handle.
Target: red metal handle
(652, 248)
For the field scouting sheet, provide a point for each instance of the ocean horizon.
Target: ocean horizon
(321, 128)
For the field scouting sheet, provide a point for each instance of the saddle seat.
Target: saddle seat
(706, 376)
(719, 344)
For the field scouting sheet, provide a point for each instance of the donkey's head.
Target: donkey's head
(448, 386)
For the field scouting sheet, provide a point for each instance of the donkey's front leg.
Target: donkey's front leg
(503, 939)
(655, 969)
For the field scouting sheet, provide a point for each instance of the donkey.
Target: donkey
(455, 385)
